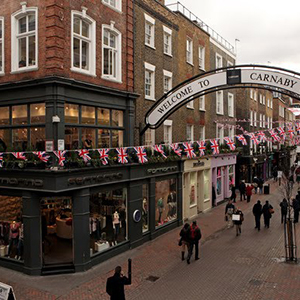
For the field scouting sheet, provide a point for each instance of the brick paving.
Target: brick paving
(230, 267)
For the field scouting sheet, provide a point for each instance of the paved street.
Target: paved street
(244, 267)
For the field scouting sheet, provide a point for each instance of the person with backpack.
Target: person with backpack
(195, 236)
(184, 240)
(238, 223)
(284, 208)
(229, 209)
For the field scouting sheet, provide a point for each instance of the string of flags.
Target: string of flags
(190, 149)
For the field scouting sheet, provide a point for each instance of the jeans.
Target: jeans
(257, 222)
(196, 243)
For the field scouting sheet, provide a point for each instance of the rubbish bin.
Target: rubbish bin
(266, 189)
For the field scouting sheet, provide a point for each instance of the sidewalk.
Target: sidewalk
(155, 258)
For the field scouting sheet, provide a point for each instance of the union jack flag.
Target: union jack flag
(281, 132)
(158, 148)
(19, 155)
(262, 136)
(274, 135)
(188, 148)
(297, 127)
(61, 157)
(254, 138)
(291, 131)
(103, 156)
(230, 143)
(215, 146)
(141, 154)
(202, 147)
(122, 155)
(42, 155)
(1, 160)
(84, 154)
(176, 149)
(242, 139)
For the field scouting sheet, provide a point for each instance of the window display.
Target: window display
(219, 181)
(165, 201)
(206, 186)
(231, 175)
(37, 113)
(108, 219)
(145, 207)
(193, 188)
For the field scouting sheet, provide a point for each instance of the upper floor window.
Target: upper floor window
(230, 105)
(202, 133)
(149, 31)
(168, 131)
(201, 58)
(202, 103)
(254, 118)
(83, 43)
(189, 132)
(24, 39)
(116, 4)
(220, 133)
(219, 104)
(167, 81)
(251, 118)
(1, 45)
(255, 95)
(111, 53)
(150, 137)
(189, 51)
(149, 81)
(219, 61)
(167, 40)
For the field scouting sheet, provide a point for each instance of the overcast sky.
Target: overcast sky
(268, 30)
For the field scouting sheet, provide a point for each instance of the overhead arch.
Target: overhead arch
(241, 76)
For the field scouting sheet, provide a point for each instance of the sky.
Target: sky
(268, 30)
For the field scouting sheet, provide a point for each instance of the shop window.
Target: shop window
(1, 45)
(4, 115)
(19, 115)
(71, 138)
(117, 118)
(19, 139)
(231, 175)
(145, 207)
(88, 115)
(37, 113)
(165, 201)
(88, 138)
(219, 181)
(103, 116)
(108, 219)
(4, 139)
(206, 187)
(193, 184)
(103, 138)
(11, 237)
(71, 113)
(117, 138)
(37, 138)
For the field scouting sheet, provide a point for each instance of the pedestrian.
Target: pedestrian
(233, 194)
(296, 207)
(260, 185)
(238, 214)
(242, 189)
(249, 189)
(115, 284)
(284, 209)
(184, 240)
(195, 236)
(229, 210)
(257, 211)
(267, 212)
(291, 181)
(255, 183)
(275, 174)
(279, 177)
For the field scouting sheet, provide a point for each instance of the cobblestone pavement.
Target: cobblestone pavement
(230, 267)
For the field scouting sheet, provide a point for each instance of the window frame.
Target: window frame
(202, 107)
(2, 40)
(168, 131)
(219, 58)
(117, 7)
(189, 51)
(221, 112)
(191, 126)
(169, 75)
(151, 69)
(167, 32)
(201, 57)
(150, 21)
(231, 99)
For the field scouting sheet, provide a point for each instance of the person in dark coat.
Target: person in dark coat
(267, 214)
(284, 208)
(257, 211)
(238, 223)
(296, 207)
(260, 185)
(275, 174)
(255, 183)
(242, 189)
(115, 284)
(185, 239)
(194, 237)
(233, 194)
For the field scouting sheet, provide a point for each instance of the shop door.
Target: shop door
(57, 231)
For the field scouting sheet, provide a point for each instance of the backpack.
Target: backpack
(193, 232)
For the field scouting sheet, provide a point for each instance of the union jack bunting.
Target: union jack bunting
(84, 154)
(202, 147)
(242, 139)
(158, 148)
(188, 148)
(103, 156)
(19, 155)
(291, 131)
(1, 160)
(274, 135)
(254, 138)
(281, 132)
(122, 155)
(262, 136)
(61, 157)
(230, 143)
(141, 154)
(215, 146)
(176, 149)
(42, 155)
(297, 127)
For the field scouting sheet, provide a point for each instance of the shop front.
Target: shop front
(196, 187)
(223, 175)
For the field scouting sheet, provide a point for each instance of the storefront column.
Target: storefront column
(81, 234)
(152, 208)
(32, 233)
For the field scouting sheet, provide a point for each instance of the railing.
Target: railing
(178, 7)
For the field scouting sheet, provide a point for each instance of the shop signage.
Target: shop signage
(49, 146)
(162, 170)
(94, 179)
(199, 164)
(21, 182)
(6, 292)
(60, 145)
(137, 216)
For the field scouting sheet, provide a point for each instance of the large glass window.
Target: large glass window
(117, 118)
(103, 116)
(193, 184)
(71, 138)
(88, 138)
(19, 115)
(165, 201)
(219, 181)
(71, 113)
(37, 113)
(4, 115)
(206, 186)
(19, 139)
(103, 138)
(88, 115)
(231, 175)
(108, 219)
(145, 207)
(117, 138)
(37, 138)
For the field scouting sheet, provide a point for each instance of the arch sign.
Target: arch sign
(244, 76)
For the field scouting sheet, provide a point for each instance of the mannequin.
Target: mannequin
(145, 213)
(116, 224)
(13, 236)
(160, 207)
(20, 247)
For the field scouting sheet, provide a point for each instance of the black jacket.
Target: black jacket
(198, 234)
(257, 209)
(115, 286)
(185, 234)
(266, 210)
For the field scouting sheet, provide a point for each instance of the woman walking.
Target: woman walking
(266, 210)
(184, 241)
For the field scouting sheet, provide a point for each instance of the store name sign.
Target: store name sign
(199, 164)
(94, 179)
(162, 170)
(21, 182)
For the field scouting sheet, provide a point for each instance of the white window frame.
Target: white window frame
(255, 118)
(169, 76)
(201, 54)
(260, 99)
(150, 137)
(271, 103)
(219, 61)
(117, 7)
(190, 105)
(151, 69)
(251, 94)
(264, 100)
(151, 22)
(189, 51)
(220, 133)
(167, 33)
(118, 50)
(255, 95)
(202, 107)
(202, 130)
(92, 42)
(2, 48)
(14, 39)
(264, 121)
(268, 102)
(251, 117)
(230, 101)
(191, 126)
(271, 122)
(221, 111)
(168, 131)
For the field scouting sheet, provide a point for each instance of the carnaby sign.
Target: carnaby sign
(266, 76)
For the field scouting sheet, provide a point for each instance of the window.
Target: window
(202, 133)
(168, 131)
(189, 132)
(149, 31)
(264, 100)
(201, 58)
(193, 188)
(167, 40)
(260, 98)
(271, 103)
(37, 113)
(145, 208)
(255, 118)
(190, 105)
(111, 53)
(1, 45)
(115, 4)
(219, 104)
(219, 181)
(255, 95)
(83, 43)
(230, 105)
(149, 81)
(268, 122)
(251, 94)
(71, 113)
(189, 51)
(202, 103)
(220, 133)
(150, 137)
(268, 102)
(271, 122)
(281, 111)
(167, 81)
(251, 118)
(207, 185)
(24, 39)
(231, 132)
(219, 61)
(260, 120)
(264, 121)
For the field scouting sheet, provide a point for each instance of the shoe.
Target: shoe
(240, 230)
(196, 258)
(182, 255)
(237, 234)
(188, 261)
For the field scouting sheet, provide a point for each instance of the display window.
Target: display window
(231, 175)
(206, 187)
(11, 227)
(193, 184)
(4, 115)
(37, 138)
(20, 139)
(88, 115)
(4, 139)
(165, 201)
(103, 117)
(71, 113)
(19, 115)
(145, 208)
(108, 219)
(219, 181)
(37, 113)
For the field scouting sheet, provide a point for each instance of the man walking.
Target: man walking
(195, 236)
(229, 210)
(296, 207)
(284, 209)
(257, 211)
(242, 188)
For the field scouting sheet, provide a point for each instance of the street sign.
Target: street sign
(6, 292)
